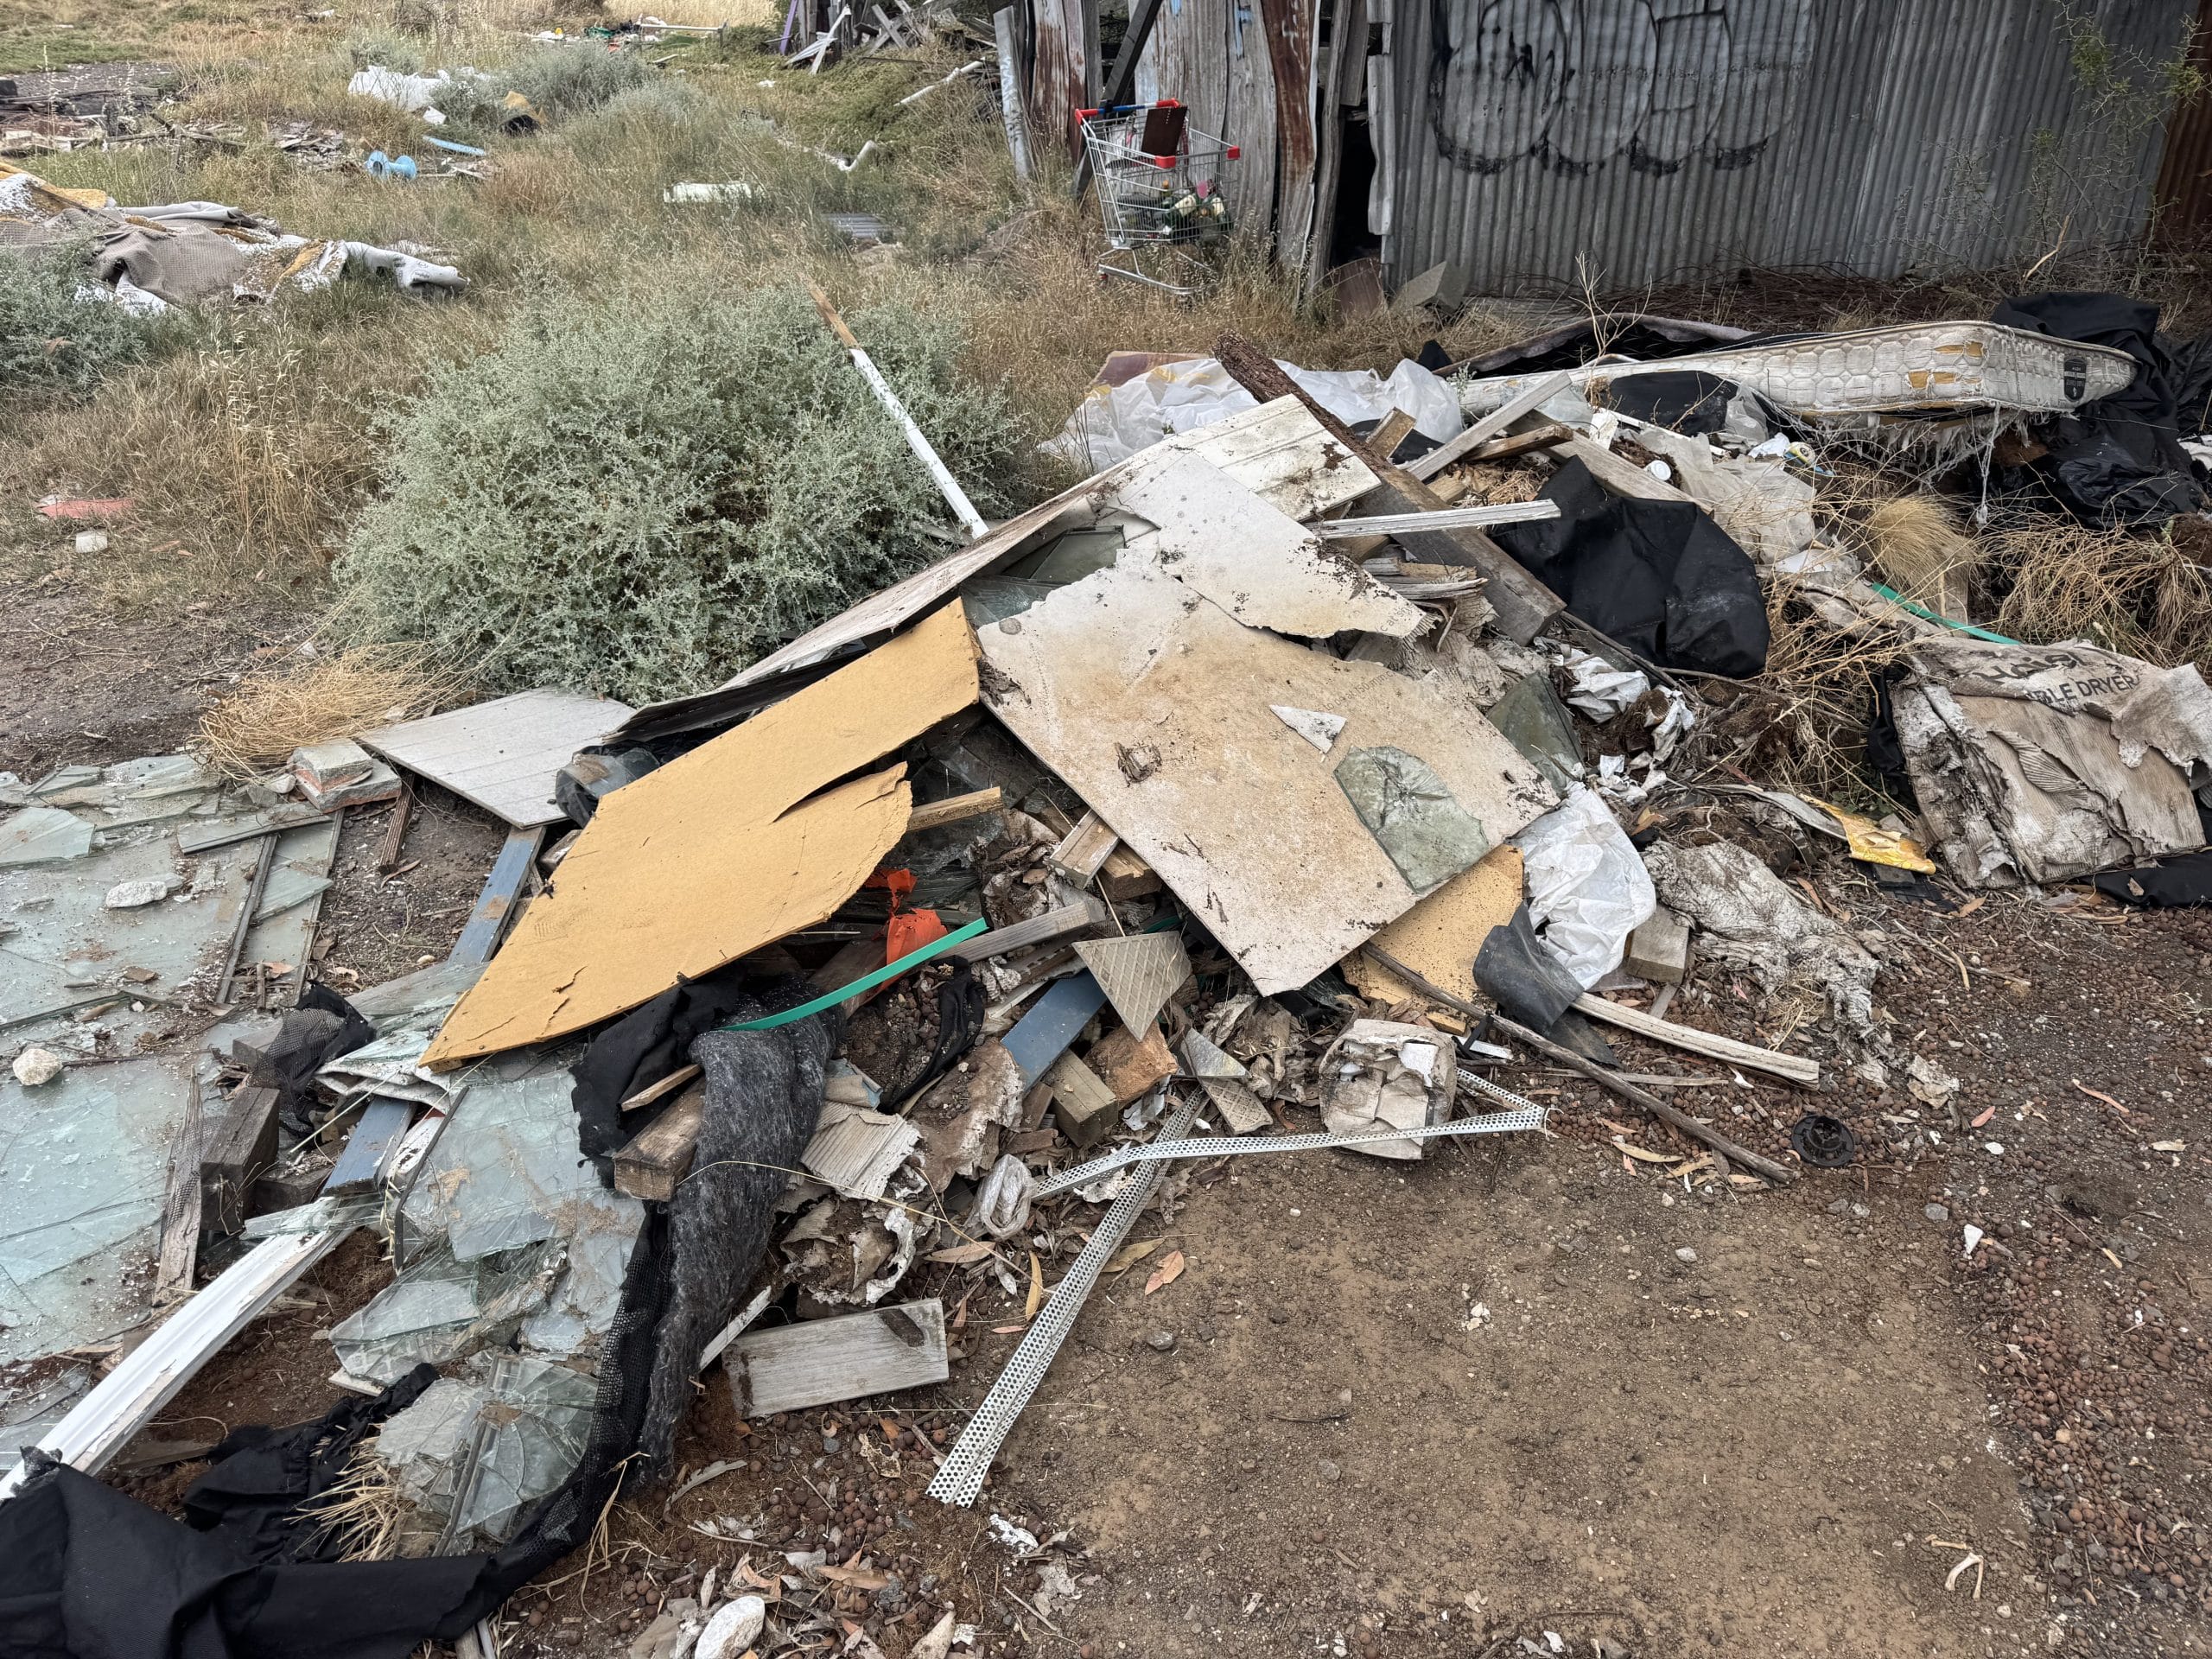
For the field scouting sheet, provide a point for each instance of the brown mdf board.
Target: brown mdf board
(1240, 816)
(738, 844)
(820, 1361)
(1439, 937)
(502, 754)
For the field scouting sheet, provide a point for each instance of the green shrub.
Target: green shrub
(52, 341)
(641, 497)
(385, 49)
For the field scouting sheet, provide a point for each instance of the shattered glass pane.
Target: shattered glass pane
(440, 1309)
(1412, 814)
(506, 1172)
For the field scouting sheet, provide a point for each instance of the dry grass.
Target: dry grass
(1916, 544)
(365, 1509)
(259, 725)
(2137, 595)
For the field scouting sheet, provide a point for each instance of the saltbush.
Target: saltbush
(642, 496)
(58, 332)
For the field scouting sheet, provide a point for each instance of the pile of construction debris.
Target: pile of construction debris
(1247, 798)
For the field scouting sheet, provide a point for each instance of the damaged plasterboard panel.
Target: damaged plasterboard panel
(1440, 937)
(722, 850)
(1277, 451)
(2042, 763)
(503, 754)
(85, 1165)
(1200, 525)
(1158, 709)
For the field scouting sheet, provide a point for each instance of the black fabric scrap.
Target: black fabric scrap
(1682, 400)
(258, 1494)
(2169, 884)
(959, 1025)
(763, 1102)
(594, 773)
(321, 1027)
(2118, 460)
(641, 1048)
(1518, 972)
(1659, 576)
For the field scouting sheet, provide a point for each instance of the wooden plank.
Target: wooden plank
(1047, 929)
(1125, 876)
(1709, 1043)
(659, 1156)
(1398, 524)
(480, 938)
(1290, 27)
(1251, 120)
(1013, 110)
(381, 1126)
(1057, 76)
(180, 1207)
(1524, 604)
(1385, 439)
(238, 1148)
(1347, 19)
(1621, 477)
(502, 754)
(1547, 436)
(1122, 80)
(1482, 432)
(1190, 60)
(1083, 849)
(1081, 1101)
(820, 1361)
(222, 831)
(668, 1085)
(935, 815)
(395, 827)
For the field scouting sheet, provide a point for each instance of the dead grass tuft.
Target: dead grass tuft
(365, 1509)
(259, 725)
(1917, 544)
(2140, 595)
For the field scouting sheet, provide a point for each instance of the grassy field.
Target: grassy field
(251, 444)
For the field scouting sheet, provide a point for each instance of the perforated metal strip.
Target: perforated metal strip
(960, 1477)
(1165, 1151)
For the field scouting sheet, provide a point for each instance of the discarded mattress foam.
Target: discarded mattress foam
(1158, 709)
(1660, 576)
(2044, 763)
(746, 830)
(1909, 367)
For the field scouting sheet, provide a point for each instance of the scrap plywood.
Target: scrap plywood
(503, 754)
(820, 1361)
(1157, 708)
(724, 850)
(1439, 936)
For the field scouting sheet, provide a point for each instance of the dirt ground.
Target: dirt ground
(1522, 1387)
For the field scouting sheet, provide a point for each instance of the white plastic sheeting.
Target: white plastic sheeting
(1587, 889)
(1114, 422)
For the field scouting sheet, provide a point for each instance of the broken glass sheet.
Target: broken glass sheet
(505, 1172)
(1412, 813)
(44, 834)
(440, 1309)
(282, 935)
(152, 790)
(478, 1448)
(406, 1014)
(30, 1412)
(83, 1167)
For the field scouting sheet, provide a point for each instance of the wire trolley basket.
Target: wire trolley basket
(1159, 191)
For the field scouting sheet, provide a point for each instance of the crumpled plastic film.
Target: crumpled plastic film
(1587, 888)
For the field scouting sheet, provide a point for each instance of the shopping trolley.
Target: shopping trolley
(1160, 192)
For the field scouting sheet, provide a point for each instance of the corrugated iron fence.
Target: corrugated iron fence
(1637, 142)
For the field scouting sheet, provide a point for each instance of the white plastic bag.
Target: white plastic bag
(1114, 422)
(1587, 889)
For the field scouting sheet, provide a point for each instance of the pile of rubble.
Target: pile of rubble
(1250, 797)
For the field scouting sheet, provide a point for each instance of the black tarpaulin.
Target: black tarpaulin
(1659, 576)
(2118, 461)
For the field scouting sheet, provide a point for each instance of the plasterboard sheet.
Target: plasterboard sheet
(502, 754)
(720, 851)
(1155, 706)
(1265, 568)
(1278, 450)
